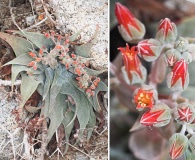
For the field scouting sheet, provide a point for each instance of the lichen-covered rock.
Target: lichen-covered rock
(80, 14)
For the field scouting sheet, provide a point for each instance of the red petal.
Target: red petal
(185, 114)
(125, 17)
(144, 48)
(179, 70)
(149, 118)
(166, 25)
(131, 61)
(145, 97)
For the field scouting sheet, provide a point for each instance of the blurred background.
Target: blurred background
(144, 143)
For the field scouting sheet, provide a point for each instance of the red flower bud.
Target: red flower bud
(33, 55)
(88, 90)
(150, 118)
(178, 79)
(66, 41)
(130, 28)
(38, 59)
(32, 63)
(179, 71)
(167, 31)
(58, 47)
(59, 38)
(95, 83)
(78, 71)
(166, 25)
(41, 52)
(67, 66)
(132, 63)
(149, 49)
(66, 49)
(158, 116)
(47, 35)
(178, 144)
(73, 56)
(52, 33)
(78, 78)
(35, 67)
(92, 86)
(185, 113)
(98, 79)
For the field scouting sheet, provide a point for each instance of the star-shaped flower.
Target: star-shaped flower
(185, 114)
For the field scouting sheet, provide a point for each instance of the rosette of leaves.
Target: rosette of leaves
(54, 81)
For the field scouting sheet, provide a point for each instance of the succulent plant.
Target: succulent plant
(57, 68)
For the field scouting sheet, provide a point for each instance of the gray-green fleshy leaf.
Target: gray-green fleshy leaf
(181, 44)
(186, 27)
(49, 74)
(28, 89)
(38, 39)
(135, 76)
(93, 100)
(16, 69)
(55, 87)
(92, 72)
(91, 124)
(188, 155)
(23, 59)
(187, 56)
(192, 143)
(191, 74)
(83, 115)
(82, 90)
(75, 36)
(45, 109)
(82, 111)
(18, 44)
(56, 116)
(84, 50)
(101, 87)
(68, 129)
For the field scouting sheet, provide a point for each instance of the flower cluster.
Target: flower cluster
(178, 58)
(177, 54)
(62, 54)
(157, 114)
(88, 83)
(37, 58)
(184, 114)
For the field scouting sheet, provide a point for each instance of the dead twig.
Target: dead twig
(44, 139)
(9, 83)
(47, 13)
(58, 147)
